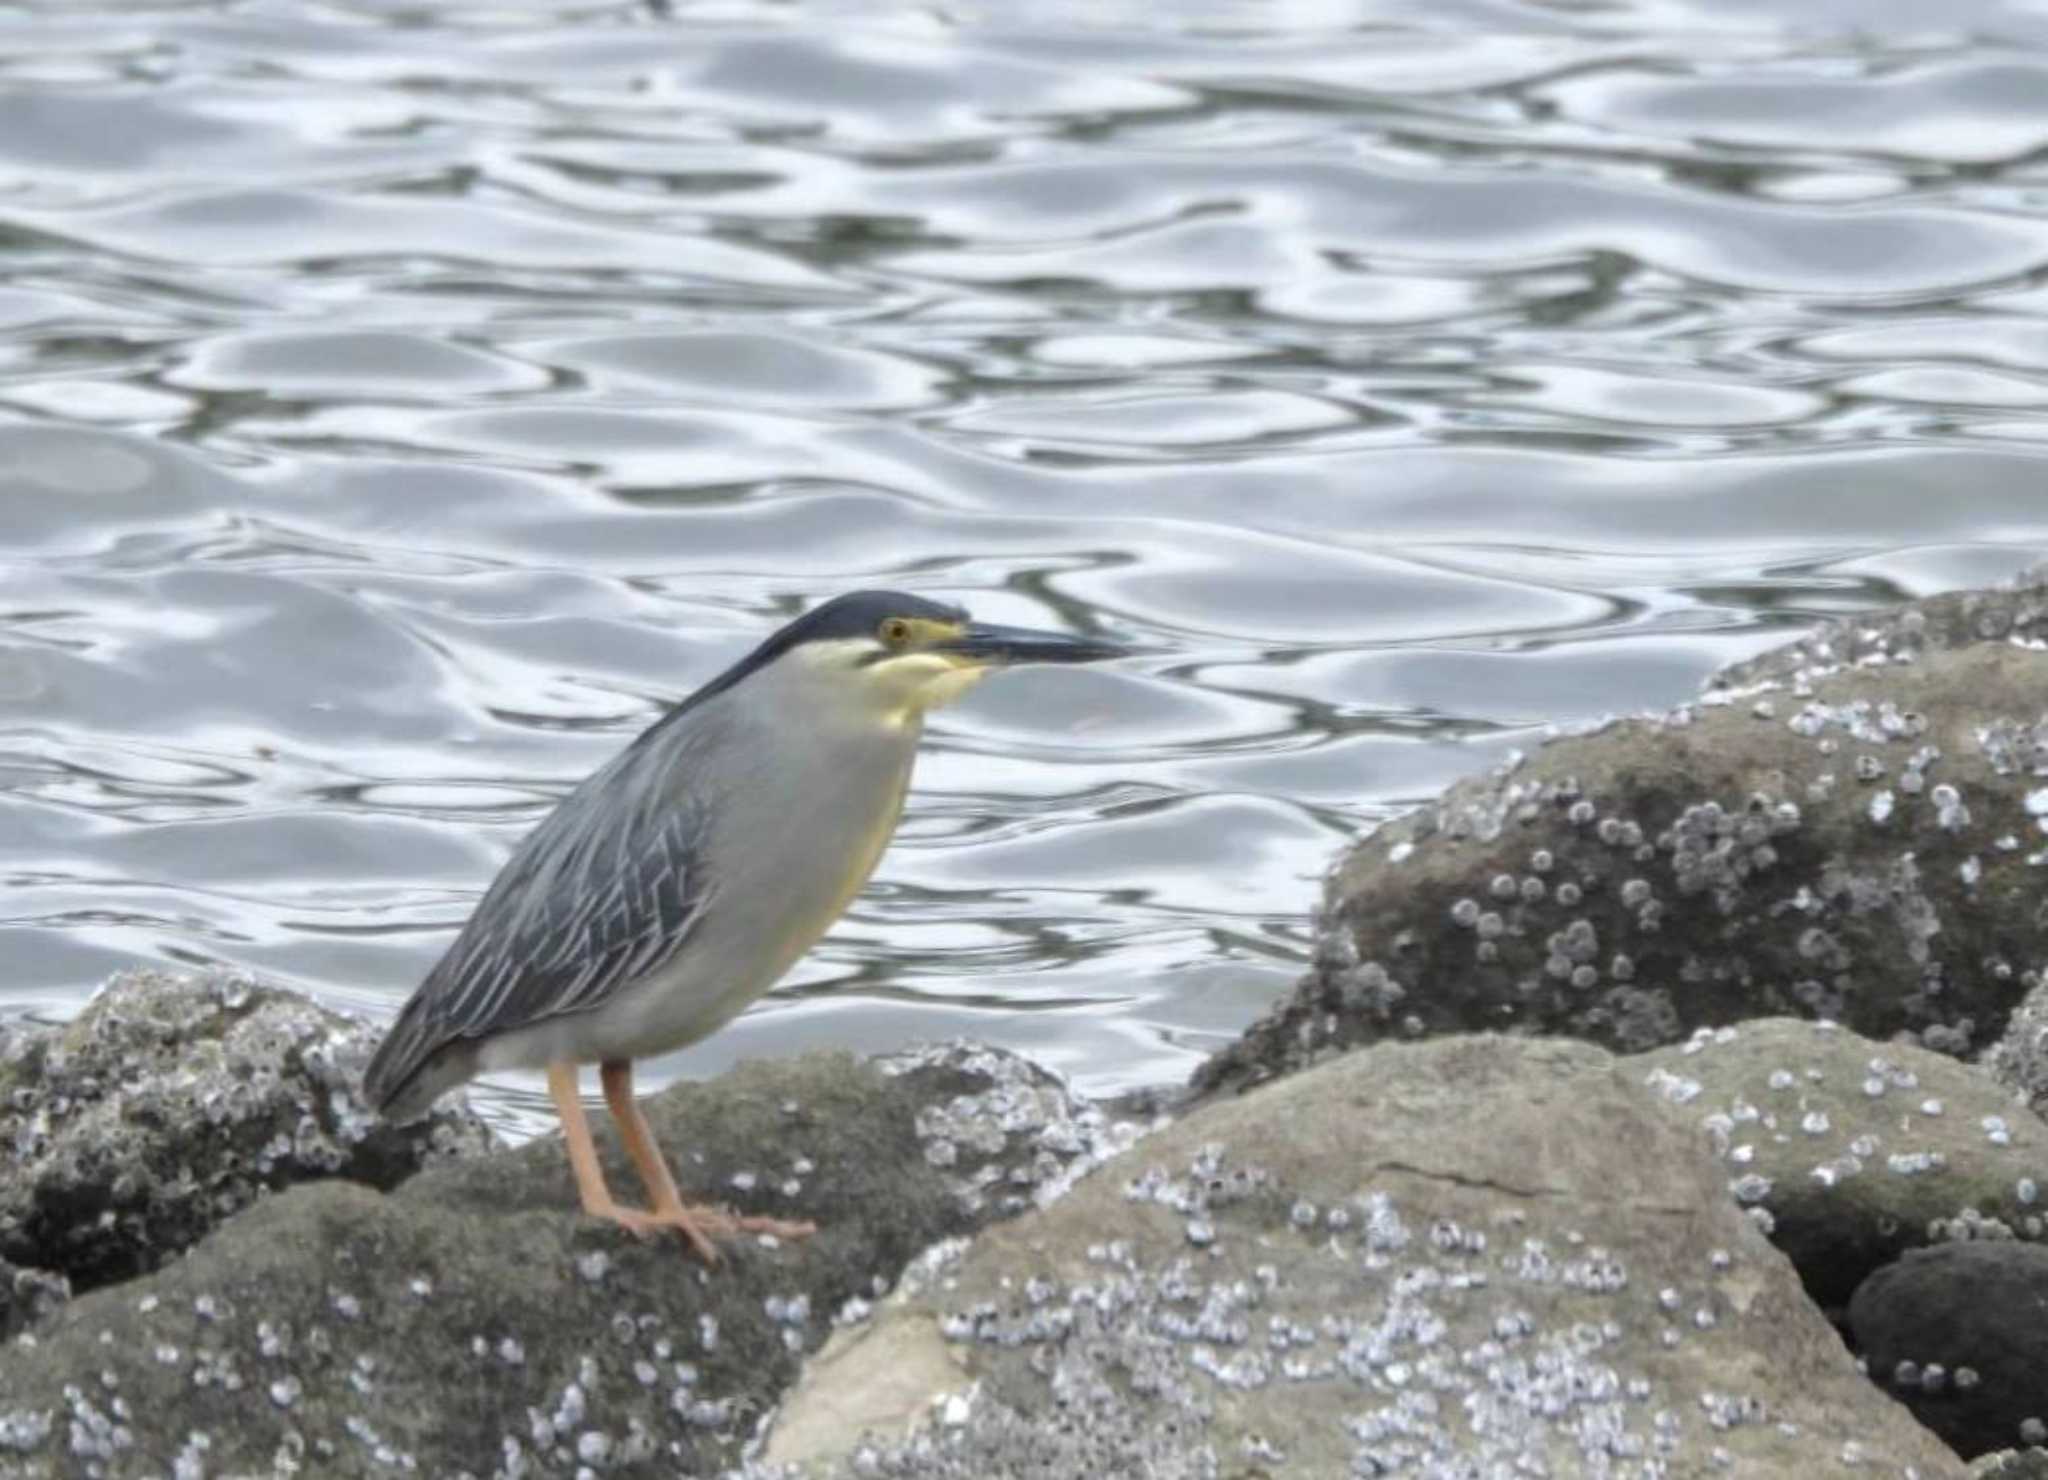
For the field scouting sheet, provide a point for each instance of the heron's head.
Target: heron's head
(893, 656)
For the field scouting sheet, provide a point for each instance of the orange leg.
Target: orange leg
(590, 1183)
(617, 1078)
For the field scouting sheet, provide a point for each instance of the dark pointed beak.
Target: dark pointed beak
(983, 642)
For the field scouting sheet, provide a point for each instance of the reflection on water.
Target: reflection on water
(399, 405)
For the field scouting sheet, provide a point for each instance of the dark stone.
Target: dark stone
(474, 1322)
(175, 1100)
(1844, 840)
(1959, 1334)
(27, 1296)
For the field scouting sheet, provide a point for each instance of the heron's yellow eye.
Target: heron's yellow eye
(895, 631)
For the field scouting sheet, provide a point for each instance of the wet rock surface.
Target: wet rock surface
(175, 1100)
(1474, 1256)
(1851, 828)
(1851, 1152)
(1960, 1335)
(473, 1322)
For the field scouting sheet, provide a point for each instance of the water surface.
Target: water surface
(400, 404)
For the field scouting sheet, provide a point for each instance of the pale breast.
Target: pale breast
(795, 839)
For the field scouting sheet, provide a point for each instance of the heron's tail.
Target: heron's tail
(399, 1082)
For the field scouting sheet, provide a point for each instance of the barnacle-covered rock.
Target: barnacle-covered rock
(2016, 613)
(2019, 1058)
(1475, 1256)
(1850, 1152)
(173, 1101)
(1853, 829)
(474, 1321)
(2030, 1463)
(1008, 1133)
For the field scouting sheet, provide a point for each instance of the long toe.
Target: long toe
(725, 1221)
(646, 1225)
(686, 1222)
(780, 1227)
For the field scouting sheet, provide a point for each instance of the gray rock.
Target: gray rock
(175, 1100)
(1852, 1152)
(1476, 1256)
(1859, 842)
(1958, 1334)
(474, 1322)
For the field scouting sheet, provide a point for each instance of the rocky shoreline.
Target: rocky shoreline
(1666, 1103)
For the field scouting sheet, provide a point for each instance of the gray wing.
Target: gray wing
(604, 891)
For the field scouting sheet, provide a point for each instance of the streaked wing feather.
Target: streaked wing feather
(590, 901)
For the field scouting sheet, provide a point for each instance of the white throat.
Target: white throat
(856, 680)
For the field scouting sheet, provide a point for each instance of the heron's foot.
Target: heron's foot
(726, 1222)
(689, 1222)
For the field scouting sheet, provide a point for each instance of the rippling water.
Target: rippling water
(399, 403)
